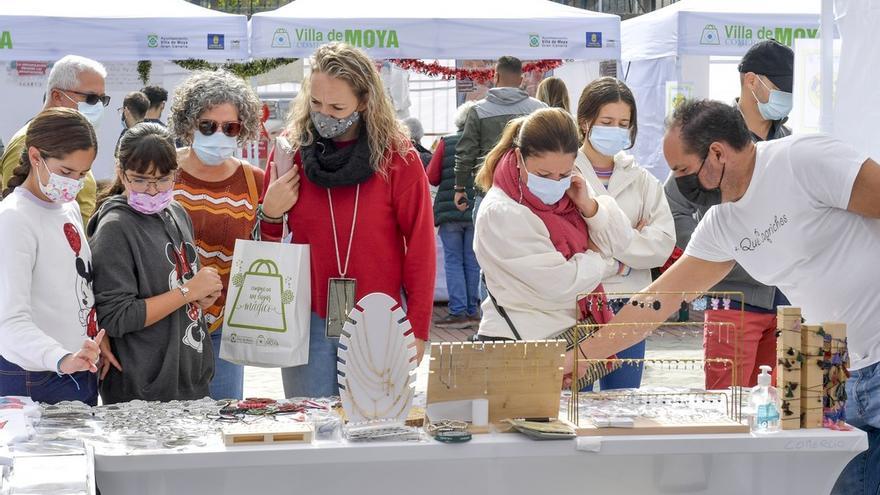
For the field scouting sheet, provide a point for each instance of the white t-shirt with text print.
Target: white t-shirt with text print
(791, 229)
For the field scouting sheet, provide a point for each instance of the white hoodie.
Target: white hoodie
(640, 195)
(529, 278)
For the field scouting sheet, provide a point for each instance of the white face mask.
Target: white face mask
(214, 149)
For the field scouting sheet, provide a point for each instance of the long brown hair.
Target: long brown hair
(145, 147)
(600, 92)
(56, 132)
(546, 130)
(385, 133)
(553, 92)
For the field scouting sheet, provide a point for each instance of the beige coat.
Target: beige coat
(529, 278)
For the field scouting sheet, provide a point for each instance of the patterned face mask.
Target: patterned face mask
(330, 127)
(59, 189)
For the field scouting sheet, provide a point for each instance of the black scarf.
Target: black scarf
(329, 166)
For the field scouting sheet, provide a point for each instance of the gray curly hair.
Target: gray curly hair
(207, 89)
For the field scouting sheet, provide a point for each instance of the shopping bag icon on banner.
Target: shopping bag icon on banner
(281, 38)
(260, 298)
(710, 35)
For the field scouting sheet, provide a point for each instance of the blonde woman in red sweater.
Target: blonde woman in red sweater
(358, 195)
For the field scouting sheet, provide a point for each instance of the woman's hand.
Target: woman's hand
(579, 192)
(209, 300)
(108, 359)
(206, 283)
(282, 193)
(420, 350)
(568, 369)
(85, 359)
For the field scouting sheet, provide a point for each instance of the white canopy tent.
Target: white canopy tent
(116, 30)
(674, 44)
(452, 29)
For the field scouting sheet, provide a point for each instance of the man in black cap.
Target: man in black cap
(765, 100)
(765, 75)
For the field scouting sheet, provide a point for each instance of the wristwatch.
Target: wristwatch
(184, 291)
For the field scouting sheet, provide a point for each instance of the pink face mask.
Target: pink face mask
(149, 204)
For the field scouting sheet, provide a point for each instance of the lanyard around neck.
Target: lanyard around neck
(343, 270)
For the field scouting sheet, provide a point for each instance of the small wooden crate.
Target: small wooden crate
(265, 432)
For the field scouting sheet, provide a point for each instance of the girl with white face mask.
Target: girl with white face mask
(543, 236)
(49, 337)
(214, 113)
(606, 116)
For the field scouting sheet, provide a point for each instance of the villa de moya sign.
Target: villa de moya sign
(712, 36)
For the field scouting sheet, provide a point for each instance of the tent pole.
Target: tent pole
(826, 75)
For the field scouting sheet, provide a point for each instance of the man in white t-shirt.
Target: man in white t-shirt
(801, 213)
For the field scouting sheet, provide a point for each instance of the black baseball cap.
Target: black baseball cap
(772, 59)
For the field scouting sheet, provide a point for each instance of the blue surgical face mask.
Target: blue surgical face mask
(609, 140)
(214, 149)
(549, 191)
(778, 106)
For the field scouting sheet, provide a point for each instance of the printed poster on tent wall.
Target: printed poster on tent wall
(807, 93)
(676, 94)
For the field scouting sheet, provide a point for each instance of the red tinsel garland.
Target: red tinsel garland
(480, 76)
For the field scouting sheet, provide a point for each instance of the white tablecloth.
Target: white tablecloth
(803, 462)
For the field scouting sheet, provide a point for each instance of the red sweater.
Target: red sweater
(393, 248)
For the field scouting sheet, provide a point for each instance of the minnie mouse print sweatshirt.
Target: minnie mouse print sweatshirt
(46, 302)
(140, 256)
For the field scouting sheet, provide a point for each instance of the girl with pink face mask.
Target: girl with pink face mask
(149, 291)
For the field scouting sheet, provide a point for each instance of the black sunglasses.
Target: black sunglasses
(91, 98)
(208, 127)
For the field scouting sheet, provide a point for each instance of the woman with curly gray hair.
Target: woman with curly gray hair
(214, 113)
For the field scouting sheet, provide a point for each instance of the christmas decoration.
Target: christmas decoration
(480, 76)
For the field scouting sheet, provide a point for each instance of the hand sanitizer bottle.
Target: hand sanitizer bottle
(766, 404)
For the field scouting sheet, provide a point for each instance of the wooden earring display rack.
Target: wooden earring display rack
(520, 379)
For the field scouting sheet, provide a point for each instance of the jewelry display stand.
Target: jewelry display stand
(520, 379)
(651, 412)
(811, 371)
(376, 367)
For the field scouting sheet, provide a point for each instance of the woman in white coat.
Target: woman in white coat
(542, 235)
(606, 116)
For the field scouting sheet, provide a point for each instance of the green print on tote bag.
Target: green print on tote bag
(260, 299)
(268, 305)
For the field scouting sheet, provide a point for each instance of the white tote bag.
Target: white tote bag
(268, 305)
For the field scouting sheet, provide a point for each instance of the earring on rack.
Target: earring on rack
(726, 302)
(715, 302)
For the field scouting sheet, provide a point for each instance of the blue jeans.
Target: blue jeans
(228, 381)
(862, 475)
(462, 270)
(318, 377)
(484, 292)
(47, 386)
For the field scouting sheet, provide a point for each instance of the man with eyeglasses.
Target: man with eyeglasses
(74, 82)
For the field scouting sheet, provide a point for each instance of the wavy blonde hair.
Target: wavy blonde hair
(342, 61)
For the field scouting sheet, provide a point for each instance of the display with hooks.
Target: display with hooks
(730, 418)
